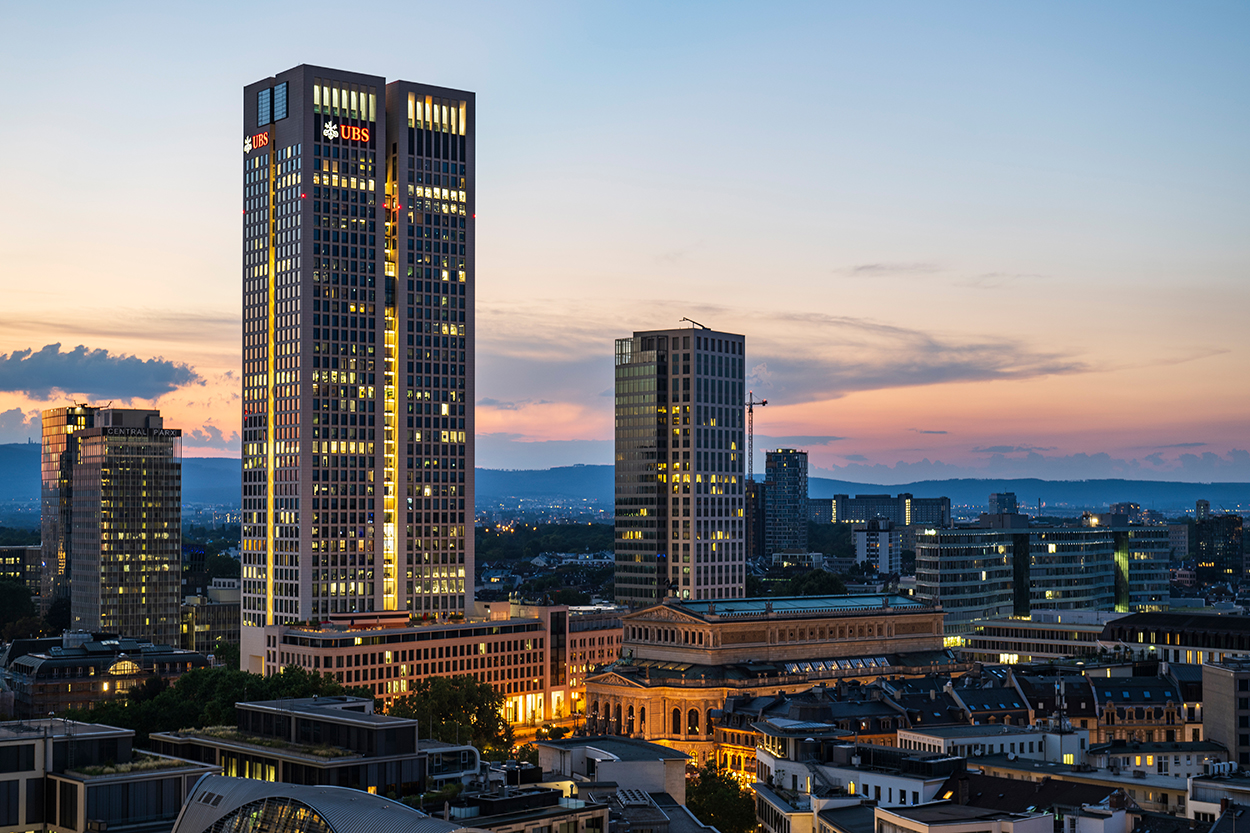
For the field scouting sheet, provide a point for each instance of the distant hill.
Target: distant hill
(204, 479)
(216, 480)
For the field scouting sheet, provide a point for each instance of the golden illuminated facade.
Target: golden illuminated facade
(680, 527)
(112, 518)
(358, 349)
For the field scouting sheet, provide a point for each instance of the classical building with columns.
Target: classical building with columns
(682, 659)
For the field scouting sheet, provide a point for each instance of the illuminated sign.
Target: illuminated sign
(251, 143)
(356, 134)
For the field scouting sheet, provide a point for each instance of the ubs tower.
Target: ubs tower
(358, 207)
(680, 529)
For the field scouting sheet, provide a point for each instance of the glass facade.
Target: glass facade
(112, 496)
(786, 500)
(680, 433)
(358, 317)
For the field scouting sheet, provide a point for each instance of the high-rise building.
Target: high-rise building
(358, 295)
(112, 519)
(1003, 503)
(1216, 544)
(900, 510)
(755, 498)
(786, 500)
(1226, 706)
(879, 544)
(679, 465)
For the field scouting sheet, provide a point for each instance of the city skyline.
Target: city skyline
(994, 241)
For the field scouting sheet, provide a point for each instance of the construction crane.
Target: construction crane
(751, 403)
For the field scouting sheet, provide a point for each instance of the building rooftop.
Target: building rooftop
(1173, 622)
(623, 749)
(973, 730)
(795, 606)
(56, 728)
(943, 813)
(1118, 746)
(1015, 796)
(343, 809)
(857, 818)
(340, 709)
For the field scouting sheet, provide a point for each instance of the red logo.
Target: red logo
(356, 134)
(260, 140)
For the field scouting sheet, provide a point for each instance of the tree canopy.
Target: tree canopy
(458, 710)
(203, 697)
(717, 799)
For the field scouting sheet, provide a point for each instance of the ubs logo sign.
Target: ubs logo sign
(251, 143)
(355, 134)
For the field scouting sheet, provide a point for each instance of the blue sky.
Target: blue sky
(945, 228)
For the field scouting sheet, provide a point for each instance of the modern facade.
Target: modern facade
(233, 804)
(1216, 545)
(358, 311)
(521, 651)
(1002, 503)
(755, 500)
(1007, 568)
(680, 434)
(901, 510)
(786, 500)
(1226, 706)
(23, 564)
(112, 518)
(331, 741)
(64, 775)
(879, 544)
(212, 619)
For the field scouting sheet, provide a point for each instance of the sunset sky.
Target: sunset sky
(962, 239)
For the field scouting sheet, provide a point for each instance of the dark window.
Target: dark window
(264, 107)
(279, 102)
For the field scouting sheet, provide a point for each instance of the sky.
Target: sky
(962, 239)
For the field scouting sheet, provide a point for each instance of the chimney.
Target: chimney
(962, 794)
(932, 694)
(1223, 805)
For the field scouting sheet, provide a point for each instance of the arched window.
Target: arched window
(708, 727)
(616, 728)
(642, 719)
(629, 721)
(676, 721)
(692, 722)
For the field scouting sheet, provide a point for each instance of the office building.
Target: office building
(755, 500)
(65, 775)
(879, 544)
(112, 518)
(1216, 545)
(900, 510)
(520, 650)
(1006, 568)
(680, 435)
(358, 325)
(786, 500)
(23, 564)
(332, 741)
(1003, 503)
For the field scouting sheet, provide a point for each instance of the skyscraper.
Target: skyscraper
(786, 500)
(679, 465)
(358, 350)
(112, 518)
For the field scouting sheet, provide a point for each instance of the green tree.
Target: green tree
(15, 602)
(58, 617)
(226, 654)
(203, 697)
(815, 583)
(459, 710)
(717, 799)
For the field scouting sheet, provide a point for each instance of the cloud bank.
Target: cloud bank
(98, 374)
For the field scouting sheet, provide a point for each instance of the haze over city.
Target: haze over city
(973, 240)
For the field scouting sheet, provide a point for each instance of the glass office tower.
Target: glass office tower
(680, 432)
(358, 352)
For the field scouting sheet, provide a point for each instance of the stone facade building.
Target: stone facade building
(681, 661)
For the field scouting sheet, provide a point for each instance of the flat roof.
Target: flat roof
(625, 749)
(329, 708)
(952, 813)
(981, 730)
(54, 727)
(798, 605)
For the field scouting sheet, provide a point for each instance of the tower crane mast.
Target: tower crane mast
(751, 403)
